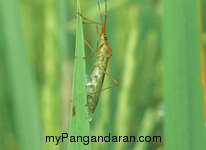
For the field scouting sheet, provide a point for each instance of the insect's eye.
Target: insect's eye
(105, 36)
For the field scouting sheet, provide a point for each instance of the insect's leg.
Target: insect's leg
(94, 52)
(89, 56)
(115, 81)
(100, 11)
(89, 46)
(90, 21)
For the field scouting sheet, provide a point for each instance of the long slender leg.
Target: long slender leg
(89, 46)
(100, 11)
(115, 81)
(88, 19)
(91, 23)
(94, 52)
(89, 56)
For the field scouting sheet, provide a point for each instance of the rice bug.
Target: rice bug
(103, 54)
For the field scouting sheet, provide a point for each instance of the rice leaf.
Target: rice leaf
(79, 124)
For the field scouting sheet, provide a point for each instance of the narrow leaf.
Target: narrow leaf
(79, 124)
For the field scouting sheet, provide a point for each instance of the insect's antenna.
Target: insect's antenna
(105, 20)
(100, 12)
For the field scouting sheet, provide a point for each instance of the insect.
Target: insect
(103, 53)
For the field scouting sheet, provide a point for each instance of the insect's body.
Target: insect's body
(98, 74)
(103, 53)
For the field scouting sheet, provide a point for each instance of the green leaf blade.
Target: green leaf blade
(79, 124)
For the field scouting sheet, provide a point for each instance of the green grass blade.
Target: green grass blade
(79, 124)
(22, 84)
(184, 121)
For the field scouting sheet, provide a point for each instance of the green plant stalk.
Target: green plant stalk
(22, 84)
(184, 121)
(79, 124)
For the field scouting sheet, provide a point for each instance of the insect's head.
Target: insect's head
(102, 37)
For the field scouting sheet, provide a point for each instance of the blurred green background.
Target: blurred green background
(37, 47)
